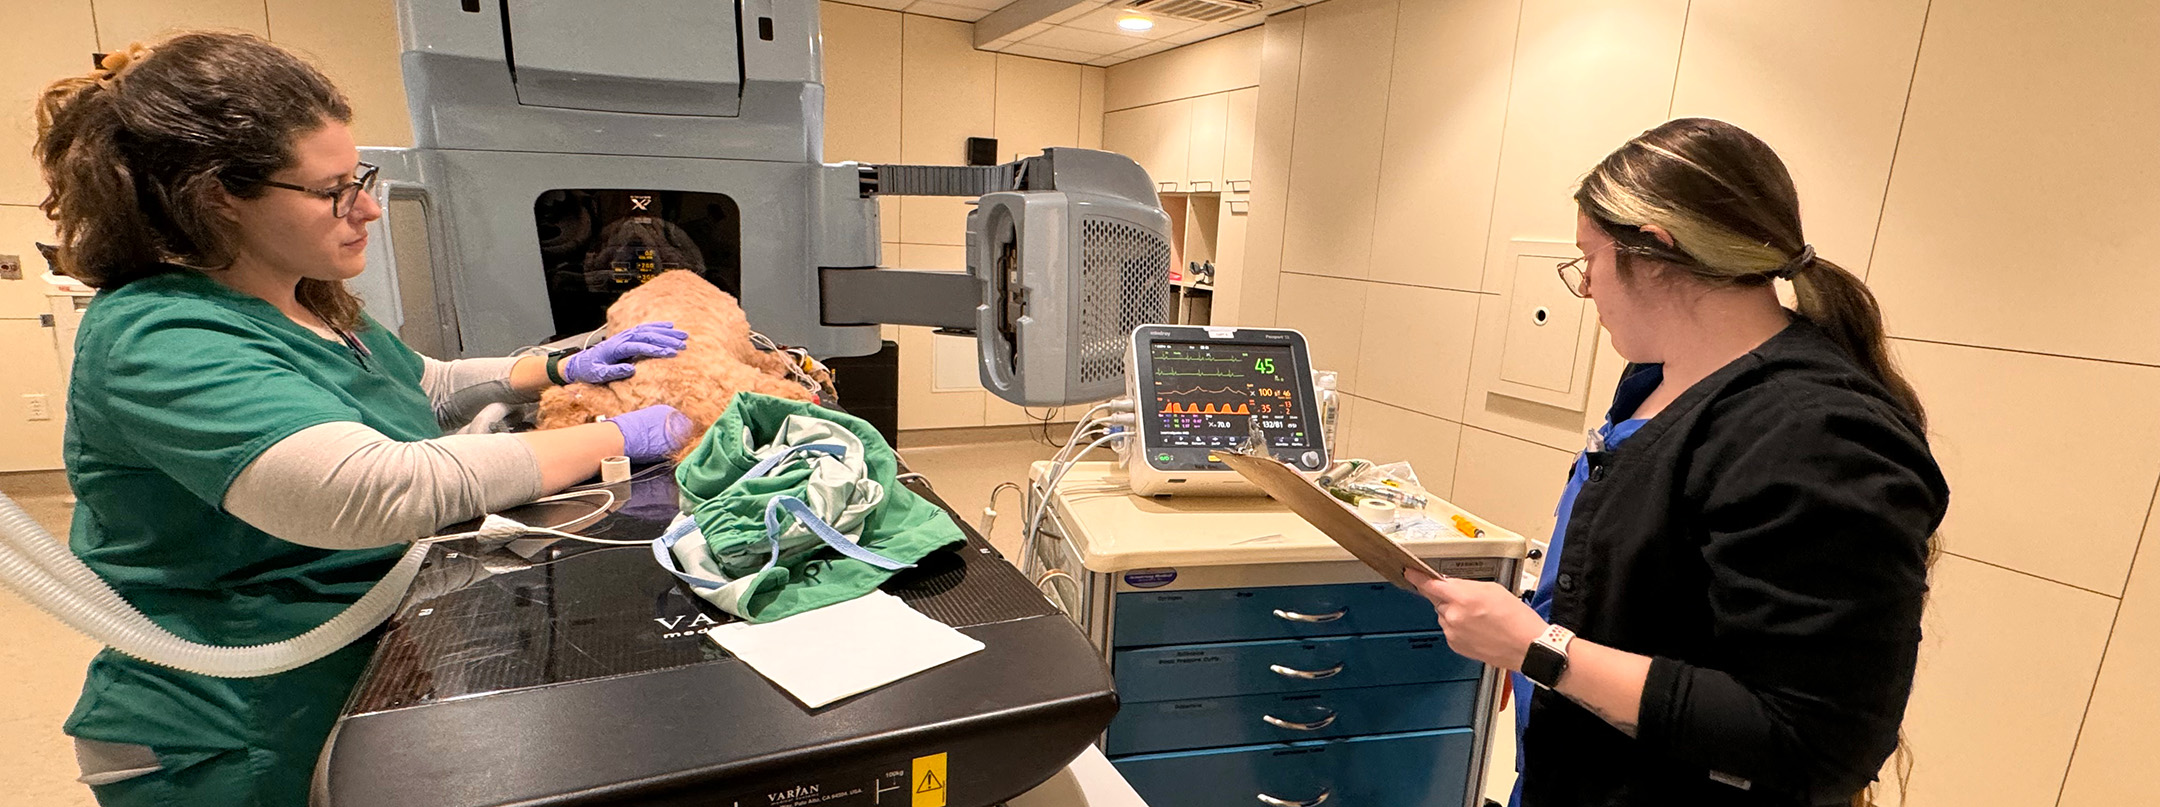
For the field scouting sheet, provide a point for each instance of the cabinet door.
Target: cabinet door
(1243, 112)
(1158, 137)
(1204, 165)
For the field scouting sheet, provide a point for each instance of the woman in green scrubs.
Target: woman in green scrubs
(250, 451)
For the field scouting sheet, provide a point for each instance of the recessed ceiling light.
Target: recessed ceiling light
(1135, 21)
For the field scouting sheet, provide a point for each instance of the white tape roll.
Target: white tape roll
(1376, 511)
(615, 469)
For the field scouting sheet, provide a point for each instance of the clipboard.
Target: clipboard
(1336, 521)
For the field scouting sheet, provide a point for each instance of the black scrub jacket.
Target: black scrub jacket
(1764, 540)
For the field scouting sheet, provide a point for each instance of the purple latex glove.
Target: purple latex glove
(654, 433)
(610, 360)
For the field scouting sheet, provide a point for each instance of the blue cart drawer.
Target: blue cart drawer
(1143, 728)
(1147, 618)
(1425, 769)
(1186, 672)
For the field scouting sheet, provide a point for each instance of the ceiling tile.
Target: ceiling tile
(1077, 11)
(1098, 42)
(1105, 61)
(927, 8)
(888, 5)
(1206, 31)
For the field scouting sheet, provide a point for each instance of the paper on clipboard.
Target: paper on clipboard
(1323, 511)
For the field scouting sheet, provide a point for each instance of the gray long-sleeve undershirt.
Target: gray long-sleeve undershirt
(347, 486)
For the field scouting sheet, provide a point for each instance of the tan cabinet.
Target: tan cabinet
(1158, 137)
(1205, 143)
(1242, 109)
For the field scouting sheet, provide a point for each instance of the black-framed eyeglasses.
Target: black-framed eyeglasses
(342, 196)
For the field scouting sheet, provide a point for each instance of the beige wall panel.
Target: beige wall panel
(1335, 159)
(122, 21)
(46, 41)
(1824, 84)
(2051, 461)
(2005, 670)
(2040, 114)
(30, 445)
(1238, 123)
(1331, 313)
(1415, 352)
(356, 45)
(1560, 429)
(1447, 104)
(948, 94)
(1272, 138)
(1091, 107)
(2112, 765)
(1513, 483)
(921, 405)
(1035, 103)
(1216, 65)
(862, 88)
(1589, 75)
(1388, 433)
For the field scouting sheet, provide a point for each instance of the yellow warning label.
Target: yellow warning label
(929, 778)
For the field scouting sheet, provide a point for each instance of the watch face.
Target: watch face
(1543, 665)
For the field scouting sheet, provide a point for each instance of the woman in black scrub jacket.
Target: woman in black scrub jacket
(1730, 613)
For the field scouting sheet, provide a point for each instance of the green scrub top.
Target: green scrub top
(180, 383)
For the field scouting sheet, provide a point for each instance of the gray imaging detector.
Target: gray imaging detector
(566, 151)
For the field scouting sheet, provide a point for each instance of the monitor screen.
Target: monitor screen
(1206, 395)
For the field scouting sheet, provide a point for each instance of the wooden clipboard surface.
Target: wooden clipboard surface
(1325, 512)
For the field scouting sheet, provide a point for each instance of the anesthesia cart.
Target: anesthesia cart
(1256, 660)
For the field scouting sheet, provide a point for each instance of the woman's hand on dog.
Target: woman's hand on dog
(611, 360)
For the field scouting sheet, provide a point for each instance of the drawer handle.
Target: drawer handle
(1313, 726)
(1316, 801)
(1309, 675)
(1298, 617)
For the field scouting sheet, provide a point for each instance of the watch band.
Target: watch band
(1547, 658)
(554, 365)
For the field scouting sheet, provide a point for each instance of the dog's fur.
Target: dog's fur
(718, 362)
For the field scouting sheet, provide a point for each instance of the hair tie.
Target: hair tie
(116, 64)
(1799, 262)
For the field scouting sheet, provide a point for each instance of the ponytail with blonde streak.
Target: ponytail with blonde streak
(1734, 217)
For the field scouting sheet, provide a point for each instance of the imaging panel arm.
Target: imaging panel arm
(945, 300)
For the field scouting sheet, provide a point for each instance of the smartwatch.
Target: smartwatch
(554, 364)
(1547, 657)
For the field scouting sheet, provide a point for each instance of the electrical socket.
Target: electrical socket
(10, 267)
(38, 407)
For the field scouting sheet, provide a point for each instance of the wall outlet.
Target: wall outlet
(10, 267)
(37, 406)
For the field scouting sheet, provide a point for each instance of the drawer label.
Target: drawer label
(1150, 578)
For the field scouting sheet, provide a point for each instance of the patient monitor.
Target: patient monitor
(1200, 391)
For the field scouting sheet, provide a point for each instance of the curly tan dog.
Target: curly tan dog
(718, 362)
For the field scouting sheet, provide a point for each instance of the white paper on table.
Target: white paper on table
(845, 649)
